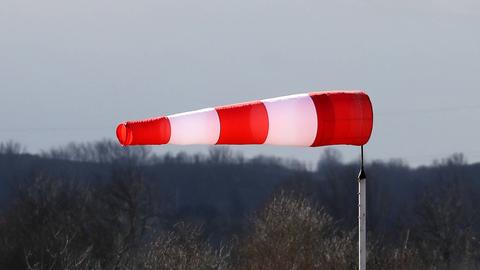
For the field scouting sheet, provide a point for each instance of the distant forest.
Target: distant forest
(102, 206)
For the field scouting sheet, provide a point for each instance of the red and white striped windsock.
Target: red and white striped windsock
(313, 119)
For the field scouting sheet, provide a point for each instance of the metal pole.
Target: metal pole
(362, 211)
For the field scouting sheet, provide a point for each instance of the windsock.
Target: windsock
(311, 119)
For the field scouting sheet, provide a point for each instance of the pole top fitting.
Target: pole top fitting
(361, 174)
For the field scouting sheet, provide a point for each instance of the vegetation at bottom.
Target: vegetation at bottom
(100, 206)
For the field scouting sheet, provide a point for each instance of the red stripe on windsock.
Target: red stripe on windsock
(150, 131)
(343, 118)
(245, 123)
(325, 119)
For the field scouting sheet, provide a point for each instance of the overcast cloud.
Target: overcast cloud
(71, 70)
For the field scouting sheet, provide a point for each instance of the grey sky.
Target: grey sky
(71, 70)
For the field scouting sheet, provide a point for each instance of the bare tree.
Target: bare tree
(103, 151)
(218, 154)
(11, 148)
(125, 215)
(448, 217)
(44, 225)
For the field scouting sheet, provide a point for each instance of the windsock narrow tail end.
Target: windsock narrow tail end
(124, 134)
(144, 132)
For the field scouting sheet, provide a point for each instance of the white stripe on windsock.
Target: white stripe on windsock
(196, 127)
(292, 120)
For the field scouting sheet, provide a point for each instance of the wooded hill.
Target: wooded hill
(107, 201)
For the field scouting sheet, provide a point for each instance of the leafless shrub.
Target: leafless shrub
(291, 233)
(400, 257)
(183, 249)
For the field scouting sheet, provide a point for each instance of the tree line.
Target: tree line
(100, 206)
